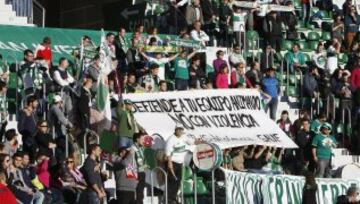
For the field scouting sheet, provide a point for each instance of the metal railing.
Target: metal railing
(152, 183)
(38, 16)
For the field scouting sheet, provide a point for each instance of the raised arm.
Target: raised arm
(173, 57)
(191, 55)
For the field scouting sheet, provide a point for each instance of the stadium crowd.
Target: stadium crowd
(57, 99)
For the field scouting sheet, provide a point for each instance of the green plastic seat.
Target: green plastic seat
(326, 36)
(313, 45)
(303, 45)
(286, 45)
(313, 36)
(307, 57)
(292, 91)
(252, 35)
(292, 79)
(343, 58)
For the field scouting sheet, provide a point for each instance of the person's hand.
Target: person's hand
(316, 159)
(101, 195)
(192, 73)
(30, 192)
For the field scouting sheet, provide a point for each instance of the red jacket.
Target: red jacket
(45, 53)
(355, 78)
(6, 196)
(43, 173)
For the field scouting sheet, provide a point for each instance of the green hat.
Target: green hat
(128, 102)
(327, 126)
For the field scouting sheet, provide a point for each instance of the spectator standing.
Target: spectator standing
(61, 124)
(297, 125)
(337, 30)
(239, 78)
(181, 65)
(271, 87)
(121, 47)
(150, 82)
(332, 56)
(236, 56)
(127, 124)
(95, 193)
(239, 19)
(200, 36)
(27, 122)
(303, 139)
(290, 19)
(272, 29)
(194, 13)
(352, 22)
(138, 149)
(225, 14)
(134, 59)
(285, 123)
(254, 75)
(355, 76)
(196, 75)
(319, 58)
(125, 185)
(219, 61)
(43, 51)
(222, 78)
(267, 58)
(306, 5)
(210, 12)
(311, 87)
(44, 140)
(84, 105)
(177, 151)
(322, 145)
(310, 189)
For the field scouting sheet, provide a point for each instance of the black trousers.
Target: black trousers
(125, 197)
(174, 182)
(140, 188)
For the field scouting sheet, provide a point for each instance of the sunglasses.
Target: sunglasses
(70, 161)
(43, 126)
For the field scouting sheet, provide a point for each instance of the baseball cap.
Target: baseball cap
(327, 126)
(128, 102)
(57, 99)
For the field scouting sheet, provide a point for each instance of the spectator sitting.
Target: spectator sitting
(44, 140)
(319, 58)
(6, 196)
(72, 181)
(222, 77)
(332, 56)
(239, 78)
(130, 83)
(351, 197)
(11, 143)
(351, 21)
(295, 59)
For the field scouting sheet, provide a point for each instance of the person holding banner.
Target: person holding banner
(322, 145)
(178, 154)
(127, 125)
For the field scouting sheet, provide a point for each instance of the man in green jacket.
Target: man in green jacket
(295, 59)
(127, 124)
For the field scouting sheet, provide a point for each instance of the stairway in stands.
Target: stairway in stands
(8, 16)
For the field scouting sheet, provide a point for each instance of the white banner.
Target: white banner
(280, 189)
(229, 118)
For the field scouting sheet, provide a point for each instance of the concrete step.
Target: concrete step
(340, 152)
(5, 7)
(341, 160)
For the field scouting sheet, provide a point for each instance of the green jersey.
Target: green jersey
(323, 145)
(181, 68)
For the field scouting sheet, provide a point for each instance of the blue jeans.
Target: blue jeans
(272, 105)
(125, 142)
(181, 84)
(38, 198)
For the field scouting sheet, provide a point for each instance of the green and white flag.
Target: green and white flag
(103, 95)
